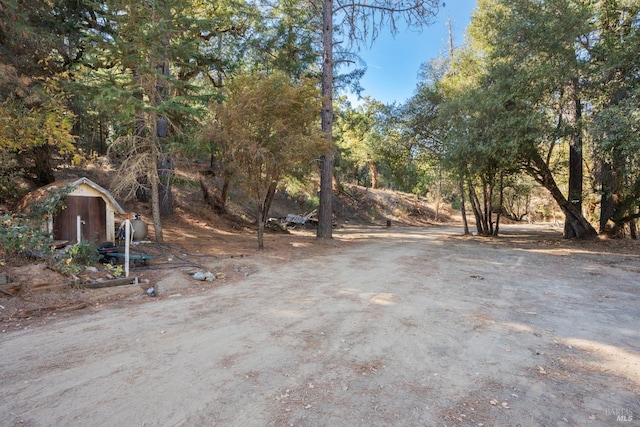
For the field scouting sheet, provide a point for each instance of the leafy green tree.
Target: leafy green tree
(535, 80)
(285, 38)
(426, 130)
(401, 157)
(475, 148)
(36, 50)
(279, 36)
(616, 130)
(517, 194)
(359, 139)
(267, 129)
(140, 62)
(450, 118)
(525, 97)
(373, 147)
(614, 126)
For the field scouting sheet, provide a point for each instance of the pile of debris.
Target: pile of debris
(291, 221)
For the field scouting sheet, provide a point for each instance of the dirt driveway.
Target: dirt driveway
(406, 327)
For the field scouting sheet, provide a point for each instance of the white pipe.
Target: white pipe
(79, 229)
(127, 238)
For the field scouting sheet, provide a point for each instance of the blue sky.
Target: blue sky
(393, 63)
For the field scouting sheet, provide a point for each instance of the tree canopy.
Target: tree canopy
(529, 93)
(267, 129)
(541, 91)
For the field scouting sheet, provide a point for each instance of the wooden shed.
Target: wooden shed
(89, 208)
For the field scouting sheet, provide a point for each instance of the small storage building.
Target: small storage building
(88, 208)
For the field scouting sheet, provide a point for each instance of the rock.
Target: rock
(204, 275)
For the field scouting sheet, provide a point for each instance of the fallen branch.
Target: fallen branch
(112, 283)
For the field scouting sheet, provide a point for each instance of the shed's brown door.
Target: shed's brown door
(93, 213)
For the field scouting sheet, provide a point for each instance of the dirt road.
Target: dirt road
(409, 327)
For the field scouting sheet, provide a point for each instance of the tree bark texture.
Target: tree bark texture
(268, 200)
(496, 230)
(140, 132)
(475, 206)
(574, 114)
(263, 215)
(487, 193)
(463, 210)
(166, 168)
(633, 229)
(260, 235)
(325, 210)
(225, 188)
(165, 173)
(155, 203)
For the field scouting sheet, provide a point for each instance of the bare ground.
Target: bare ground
(403, 326)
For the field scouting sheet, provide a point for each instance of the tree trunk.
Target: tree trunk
(492, 187)
(165, 173)
(374, 174)
(581, 228)
(268, 200)
(155, 202)
(484, 209)
(225, 188)
(475, 206)
(574, 114)
(260, 234)
(140, 133)
(439, 193)
(606, 200)
(500, 202)
(463, 210)
(166, 168)
(633, 229)
(263, 215)
(486, 205)
(325, 222)
(325, 209)
(42, 164)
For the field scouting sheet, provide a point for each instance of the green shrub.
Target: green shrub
(84, 253)
(73, 261)
(20, 236)
(114, 270)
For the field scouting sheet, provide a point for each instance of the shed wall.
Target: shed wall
(95, 210)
